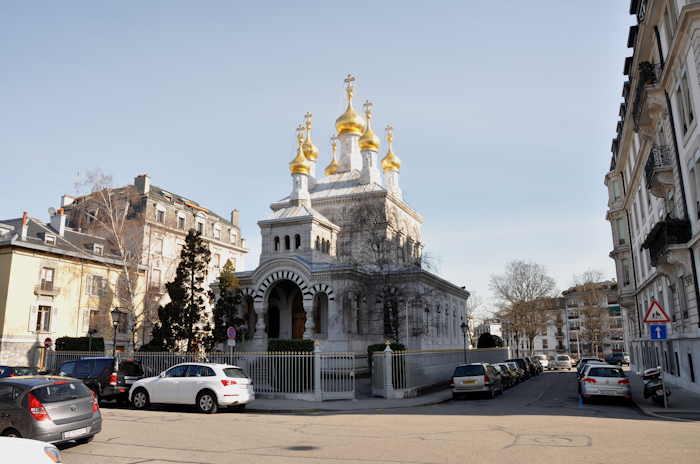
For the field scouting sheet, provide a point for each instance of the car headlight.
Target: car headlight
(53, 453)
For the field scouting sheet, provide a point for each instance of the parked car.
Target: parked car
(208, 386)
(603, 380)
(508, 377)
(109, 377)
(476, 378)
(533, 366)
(618, 358)
(524, 365)
(51, 409)
(29, 451)
(543, 360)
(561, 361)
(517, 369)
(14, 371)
(585, 360)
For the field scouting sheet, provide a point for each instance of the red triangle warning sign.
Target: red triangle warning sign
(656, 314)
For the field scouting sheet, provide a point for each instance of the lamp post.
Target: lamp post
(464, 327)
(115, 322)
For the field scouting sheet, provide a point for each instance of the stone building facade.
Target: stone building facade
(341, 259)
(654, 185)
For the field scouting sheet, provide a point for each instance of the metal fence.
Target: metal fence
(308, 376)
(404, 374)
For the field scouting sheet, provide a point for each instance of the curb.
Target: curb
(648, 412)
(337, 410)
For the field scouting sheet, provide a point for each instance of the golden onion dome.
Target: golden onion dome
(350, 122)
(310, 150)
(300, 165)
(332, 167)
(390, 162)
(369, 140)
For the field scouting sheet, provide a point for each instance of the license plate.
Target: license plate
(128, 382)
(467, 382)
(76, 432)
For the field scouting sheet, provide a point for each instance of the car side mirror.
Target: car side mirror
(162, 374)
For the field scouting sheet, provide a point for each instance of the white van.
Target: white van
(561, 361)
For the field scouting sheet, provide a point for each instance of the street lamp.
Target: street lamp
(115, 322)
(464, 326)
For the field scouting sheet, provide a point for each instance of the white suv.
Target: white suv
(207, 386)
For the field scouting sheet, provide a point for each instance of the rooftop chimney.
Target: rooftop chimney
(25, 225)
(234, 217)
(142, 183)
(66, 200)
(58, 222)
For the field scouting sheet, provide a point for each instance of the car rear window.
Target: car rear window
(100, 366)
(562, 358)
(605, 372)
(130, 368)
(24, 370)
(468, 371)
(235, 373)
(61, 391)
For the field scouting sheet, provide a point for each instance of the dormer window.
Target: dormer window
(98, 249)
(50, 239)
(217, 232)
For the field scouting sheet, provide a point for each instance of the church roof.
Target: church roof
(298, 212)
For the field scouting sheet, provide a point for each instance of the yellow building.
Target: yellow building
(57, 282)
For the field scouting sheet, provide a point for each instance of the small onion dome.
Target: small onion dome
(310, 150)
(350, 122)
(369, 140)
(300, 165)
(390, 162)
(332, 167)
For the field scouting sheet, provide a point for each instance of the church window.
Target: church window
(318, 243)
(287, 245)
(277, 243)
(297, 241)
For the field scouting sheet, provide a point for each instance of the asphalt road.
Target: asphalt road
(540, 421)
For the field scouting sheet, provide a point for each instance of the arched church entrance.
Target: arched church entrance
(285, 311)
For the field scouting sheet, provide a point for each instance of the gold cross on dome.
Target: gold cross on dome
(368, 106)
(334, 143)
(300, 132)
(348, 84)
(307, 119)
(389, 133)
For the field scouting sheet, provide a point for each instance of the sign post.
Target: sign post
(657, 319)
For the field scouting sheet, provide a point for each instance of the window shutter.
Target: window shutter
(85, 321)
(33, 310)
(88, 285)
(103, 288)
(52, 322)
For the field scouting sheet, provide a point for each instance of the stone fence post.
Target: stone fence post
(318, 394)
(388, 374)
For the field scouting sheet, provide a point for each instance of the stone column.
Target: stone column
(260, 336)
(309, 325)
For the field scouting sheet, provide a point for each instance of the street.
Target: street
(540, 421)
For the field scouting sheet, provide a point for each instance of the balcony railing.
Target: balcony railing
(659, 170)
(670, 231)
(649, 74)
(46, 288)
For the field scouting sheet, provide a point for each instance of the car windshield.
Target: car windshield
(61, 391)
(130, 368)
(235, 373)
(24, 370)
(469, 371)
(562, 358)
(606, 372)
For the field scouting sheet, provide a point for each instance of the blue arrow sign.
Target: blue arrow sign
(658, 332)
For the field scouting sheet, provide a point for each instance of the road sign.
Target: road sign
(231, 333)
(48, 342)
(656, 314)
(658, 332)
(231, 342)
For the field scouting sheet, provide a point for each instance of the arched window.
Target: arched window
(297, 241)
(286, 242)
(325, 246)
(318, 243)
(277, 243)
(321, 314)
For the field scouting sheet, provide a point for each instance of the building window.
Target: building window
(287, 244)
(43, 319)
(158, 246)
(297, 241)
(691, 367)
(545, 344)
(50, 239)
(47, 278)
(234, 236)
(685, 107)
(318, 243)
(625, 272)
(216, 260)
(160, 216)
(96, 285)
(277, 243)
(181, 222)
(155, 279)
(98, 249)
(217, 232)
(123, 323)
(200, 227)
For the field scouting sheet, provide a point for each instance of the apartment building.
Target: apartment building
(159, 220)
(654, 185)
(55, 282)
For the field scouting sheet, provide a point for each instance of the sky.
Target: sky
(503, 112)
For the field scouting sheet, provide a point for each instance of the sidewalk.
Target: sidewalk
(292, 406)
(684, 405)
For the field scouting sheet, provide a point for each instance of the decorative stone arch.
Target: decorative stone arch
(323, 288)
(266, 283)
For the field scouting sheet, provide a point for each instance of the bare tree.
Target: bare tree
(591, 294)
(517, 291)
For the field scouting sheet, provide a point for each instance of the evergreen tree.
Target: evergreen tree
(226, 308)
(184, 318)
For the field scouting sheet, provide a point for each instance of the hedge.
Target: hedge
(80, 344)
(277, 345)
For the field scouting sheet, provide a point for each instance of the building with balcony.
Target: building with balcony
(55, 282)
(654, 186)
(158, 223)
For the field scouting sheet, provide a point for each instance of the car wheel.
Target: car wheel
(12, 433)
(206, 403)
(85, 440)
(140, 399)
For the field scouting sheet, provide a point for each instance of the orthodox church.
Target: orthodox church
(342, 255)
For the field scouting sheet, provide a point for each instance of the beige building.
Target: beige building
(57, 282)
(159, 221)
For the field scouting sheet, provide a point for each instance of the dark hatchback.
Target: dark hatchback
(110, 378)
(527, 366)
(14, 371)
(51, 409)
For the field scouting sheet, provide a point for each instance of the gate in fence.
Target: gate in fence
(312, 376)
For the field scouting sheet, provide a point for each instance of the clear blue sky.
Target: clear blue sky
(503, 111)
